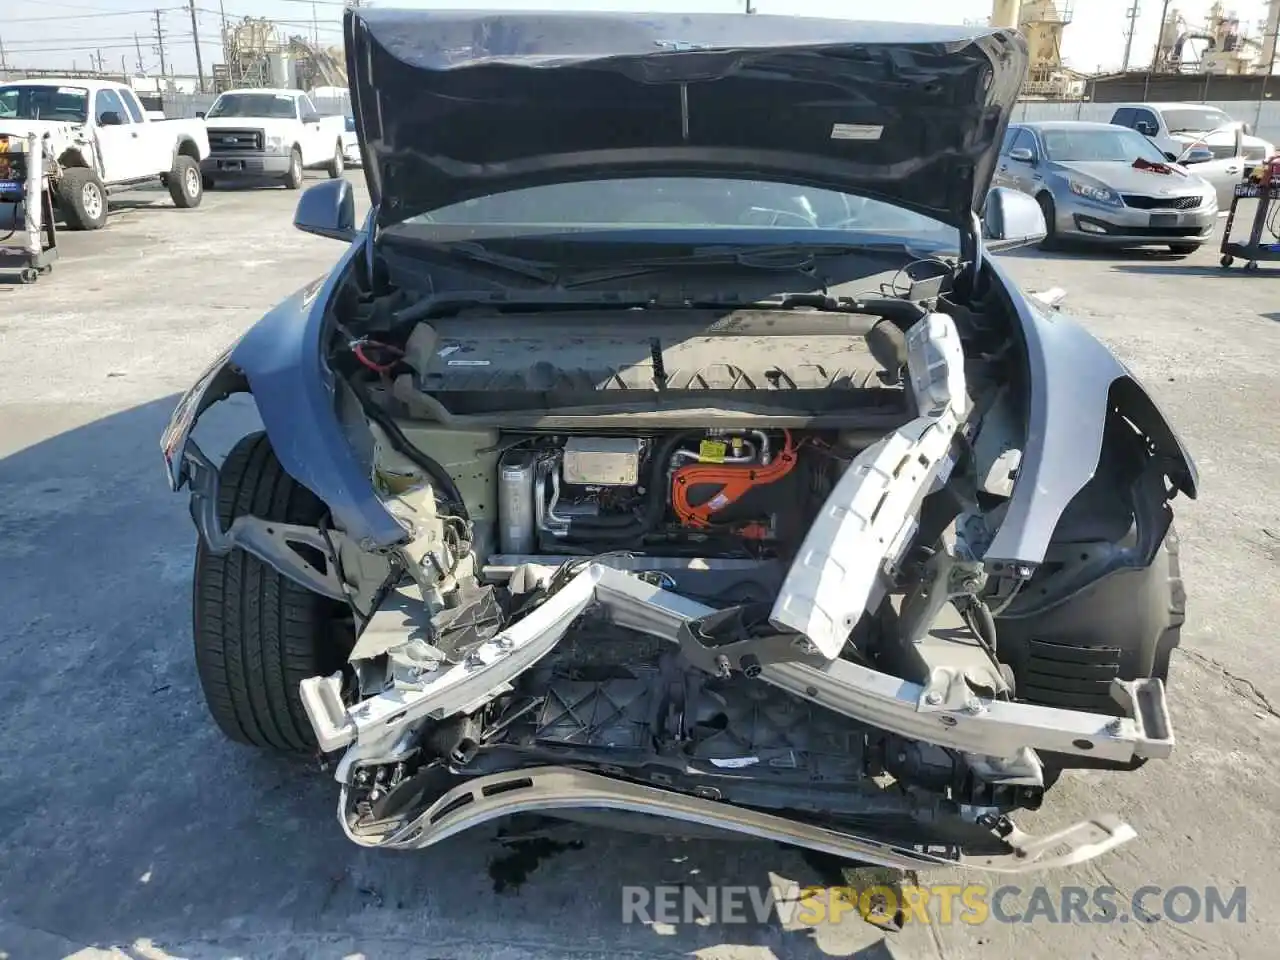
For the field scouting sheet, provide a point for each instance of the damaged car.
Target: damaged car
(667, 443)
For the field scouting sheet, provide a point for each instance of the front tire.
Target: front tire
(293, 179)
(258, 635)
(82, 199)
(338, 164)
(1050, 241)
(186, 185)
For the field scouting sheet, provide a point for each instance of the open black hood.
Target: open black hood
(452, 105)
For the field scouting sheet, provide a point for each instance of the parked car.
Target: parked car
(265, 133)
(1104, 184)
(593, 479)
(351, 144)
(102, 140)
(1175, 127)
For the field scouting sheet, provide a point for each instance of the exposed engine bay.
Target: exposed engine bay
(785, 631)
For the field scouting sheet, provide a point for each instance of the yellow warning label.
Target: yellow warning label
(712, 451)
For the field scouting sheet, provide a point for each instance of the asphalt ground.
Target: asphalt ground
(130, 828)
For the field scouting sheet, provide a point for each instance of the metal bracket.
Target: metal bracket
(271, 542)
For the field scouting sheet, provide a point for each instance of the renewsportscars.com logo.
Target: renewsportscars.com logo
(972, 904)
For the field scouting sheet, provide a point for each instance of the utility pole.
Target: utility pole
(222, 13)
(100, 69)
(195, 37)
(315, 25)
(160, 44)
(751, 7)
(1132, 14)
(124, 68)
(1156, 63)
(138, 45)
(1155, 58)
(4, 64)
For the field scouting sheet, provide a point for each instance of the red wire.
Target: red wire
(380, 368)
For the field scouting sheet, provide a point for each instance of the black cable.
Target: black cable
(402, 446)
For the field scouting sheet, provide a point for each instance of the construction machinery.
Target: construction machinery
(1042, 23)
(1218, 45)
(257, 56)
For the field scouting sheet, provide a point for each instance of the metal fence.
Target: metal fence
(1263, 115)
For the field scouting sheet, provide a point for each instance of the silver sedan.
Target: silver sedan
(1106, 184)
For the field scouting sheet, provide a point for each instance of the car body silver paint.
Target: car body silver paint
(1070, 374)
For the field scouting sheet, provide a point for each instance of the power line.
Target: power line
(127, 36)
(87, 45)
(86, 16)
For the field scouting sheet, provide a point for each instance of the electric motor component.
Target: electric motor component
(701, 492)
(602, 461)
(516, 508)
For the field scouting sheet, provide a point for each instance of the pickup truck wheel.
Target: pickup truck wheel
(293, 179)
(186, 186)
(338, 164)
(258, 635)
(82, 199)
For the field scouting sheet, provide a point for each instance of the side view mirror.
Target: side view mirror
(328, 209)
(1146, 128)
(1171, 157)
(109, 118)
(1009, 219)
(1197, 155)
(1022, 155)
(199, 114)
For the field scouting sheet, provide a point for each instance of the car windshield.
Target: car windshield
(674, 203)
(44, 102)
(1194, 120)
(1119, 145)
(274, 105)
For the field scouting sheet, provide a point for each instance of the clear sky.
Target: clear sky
(45, 33)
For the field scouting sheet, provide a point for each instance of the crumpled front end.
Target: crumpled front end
(848, 699)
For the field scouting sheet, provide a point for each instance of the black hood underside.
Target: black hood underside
(451, 105)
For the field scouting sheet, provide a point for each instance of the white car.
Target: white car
(270, 133)
(351, 144)
(102, 139)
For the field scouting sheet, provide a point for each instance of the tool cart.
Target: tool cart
(1261, 183)
(26, 209)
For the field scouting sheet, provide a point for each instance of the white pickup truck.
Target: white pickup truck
(101, 140)
(263, 133)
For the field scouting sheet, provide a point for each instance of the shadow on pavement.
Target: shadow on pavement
(128, 819)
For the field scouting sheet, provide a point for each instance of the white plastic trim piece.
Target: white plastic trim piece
(839, 571)
(949, 714)
(372, 727)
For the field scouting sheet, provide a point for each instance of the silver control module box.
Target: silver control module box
(602, 461)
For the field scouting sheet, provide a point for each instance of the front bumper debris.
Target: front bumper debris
(543, 789)
(840, 573)
(942, 713)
